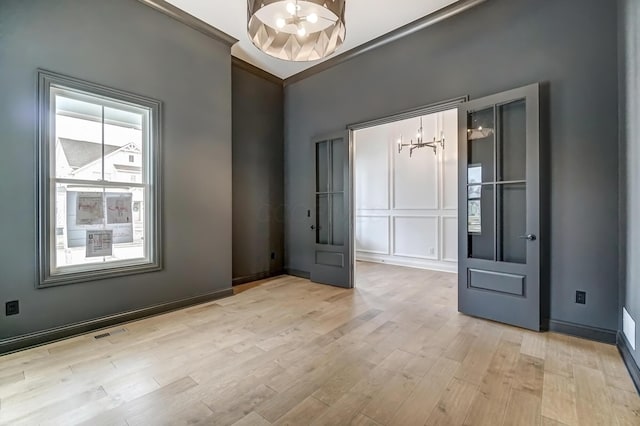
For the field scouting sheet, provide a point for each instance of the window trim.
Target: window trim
(45, 226)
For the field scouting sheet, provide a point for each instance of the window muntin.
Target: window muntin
(99, 210)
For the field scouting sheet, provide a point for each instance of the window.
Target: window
(99, 208)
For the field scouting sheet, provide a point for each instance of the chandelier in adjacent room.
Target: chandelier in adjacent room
(421, 142)
(296, 30)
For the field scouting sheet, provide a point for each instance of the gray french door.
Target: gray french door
(499, 208)
(332, 244)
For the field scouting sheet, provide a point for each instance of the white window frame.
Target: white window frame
(49, 274)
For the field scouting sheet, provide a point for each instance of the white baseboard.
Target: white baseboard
(433, 265)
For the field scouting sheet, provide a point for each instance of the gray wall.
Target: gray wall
(499, 45)
(125, 45)
(258, 176)
(630, 147)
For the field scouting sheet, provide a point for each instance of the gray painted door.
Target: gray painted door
(499, 213)
(331, 236)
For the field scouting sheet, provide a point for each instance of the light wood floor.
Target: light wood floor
(392, 352)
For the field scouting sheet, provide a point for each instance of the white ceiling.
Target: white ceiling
(365, 19)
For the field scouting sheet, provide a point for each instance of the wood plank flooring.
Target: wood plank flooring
(394, 351)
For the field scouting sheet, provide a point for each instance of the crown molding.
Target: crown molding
(417, 25)
(190, 20)
(246, 66)
(440, 15)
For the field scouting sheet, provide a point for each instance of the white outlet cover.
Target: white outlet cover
(629, 328)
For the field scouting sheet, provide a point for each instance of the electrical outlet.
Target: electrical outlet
(581, 297)
(12, 308)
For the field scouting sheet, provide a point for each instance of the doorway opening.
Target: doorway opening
(405, 196)
(401, 214)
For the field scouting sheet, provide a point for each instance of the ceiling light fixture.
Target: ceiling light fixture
(479, 133)
(296, 30)
(420, 142)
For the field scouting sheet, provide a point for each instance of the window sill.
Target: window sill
(94, 275)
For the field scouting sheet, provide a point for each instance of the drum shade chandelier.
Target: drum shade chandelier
(296, 30)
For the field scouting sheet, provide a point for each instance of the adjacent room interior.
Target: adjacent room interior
(319, 213)
(406, 192)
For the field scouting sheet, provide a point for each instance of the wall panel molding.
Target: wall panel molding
(424, 246)
(387, 220)
(449, 162)
(443, 239)
(397, 236)
(423, 162)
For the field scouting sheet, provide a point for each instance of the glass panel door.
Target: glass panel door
(499, 202)
(331, 222)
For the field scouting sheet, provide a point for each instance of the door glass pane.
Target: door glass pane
(337, 164)
(322, 219)
(512, 141)
(480, 225)
(480, 139)
(474, 192)
(512, 223)
(337, 219)
(322, 166)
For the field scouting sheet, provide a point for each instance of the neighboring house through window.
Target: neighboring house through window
(99, 152)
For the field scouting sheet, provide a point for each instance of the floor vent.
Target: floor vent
(111, 333)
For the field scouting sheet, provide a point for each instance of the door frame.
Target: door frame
(432, 108)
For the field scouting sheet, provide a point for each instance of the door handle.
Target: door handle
(529, 237)
(313, 227)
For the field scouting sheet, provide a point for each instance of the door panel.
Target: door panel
(495, 281)
(332, 245)
(499, 218)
